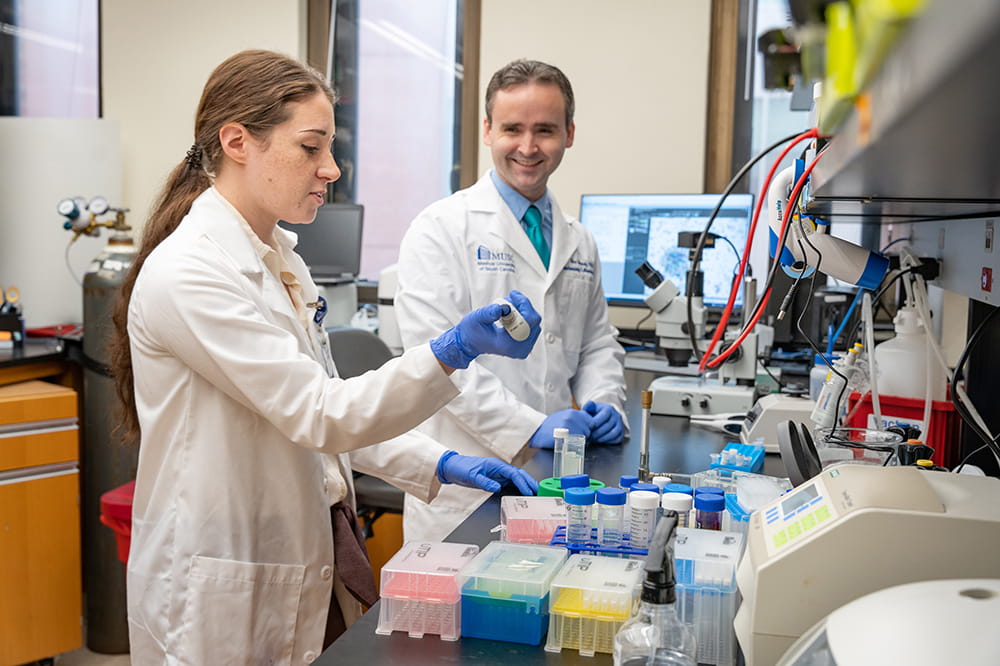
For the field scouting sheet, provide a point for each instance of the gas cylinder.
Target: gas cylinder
(106, 461)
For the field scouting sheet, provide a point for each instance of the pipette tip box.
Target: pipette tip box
(420, 590)
(707, 595)
(505, 592)
(589, 600)
(739, 458)
(531, 520)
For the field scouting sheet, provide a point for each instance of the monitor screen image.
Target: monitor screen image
(632, 228)
(331, 244)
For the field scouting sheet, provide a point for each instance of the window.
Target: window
(397, 68)
(49, 59)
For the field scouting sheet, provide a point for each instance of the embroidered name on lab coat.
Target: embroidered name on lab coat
(580, 270)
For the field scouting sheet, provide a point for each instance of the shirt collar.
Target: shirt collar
(517, 203)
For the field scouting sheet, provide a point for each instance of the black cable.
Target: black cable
(959, 374)
(737, 252)
(770, 374)
(965, 460)
(703, 238)
(775, 263)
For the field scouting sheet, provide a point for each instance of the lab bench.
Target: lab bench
(674, 446)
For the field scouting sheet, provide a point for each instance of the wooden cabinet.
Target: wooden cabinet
(41, 598)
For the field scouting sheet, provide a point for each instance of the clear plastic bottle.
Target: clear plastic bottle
(579, 507)
(655, 634)
(610, 516)
(559, 436)
(834, 393)
(817, 376)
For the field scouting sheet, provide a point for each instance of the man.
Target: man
(506, 232)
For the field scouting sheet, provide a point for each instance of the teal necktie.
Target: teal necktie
(533, 225)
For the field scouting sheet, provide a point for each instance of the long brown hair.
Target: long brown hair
(253, 88)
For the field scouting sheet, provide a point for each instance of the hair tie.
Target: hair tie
(193, 157)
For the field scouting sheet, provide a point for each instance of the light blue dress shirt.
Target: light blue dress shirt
(518, 205)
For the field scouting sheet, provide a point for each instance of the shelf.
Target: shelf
(922, 141)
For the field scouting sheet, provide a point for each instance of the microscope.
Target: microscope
(733, 389)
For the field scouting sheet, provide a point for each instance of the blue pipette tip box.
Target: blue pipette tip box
(753, 454)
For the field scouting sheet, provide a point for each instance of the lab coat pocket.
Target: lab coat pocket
(574, 300)
(241, 612)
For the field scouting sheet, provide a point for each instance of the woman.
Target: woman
(223, 367)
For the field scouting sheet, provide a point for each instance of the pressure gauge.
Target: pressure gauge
(98, 206)
(68, 208)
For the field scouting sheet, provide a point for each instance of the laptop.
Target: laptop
(331, 245)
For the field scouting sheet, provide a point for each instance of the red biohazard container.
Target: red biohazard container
(116, 513)
(943, 432)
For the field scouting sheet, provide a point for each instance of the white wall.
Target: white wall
(639, 72)
(43, 161)
(155, 59)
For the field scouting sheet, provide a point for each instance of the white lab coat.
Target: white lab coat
(467, 250)
(231, 558)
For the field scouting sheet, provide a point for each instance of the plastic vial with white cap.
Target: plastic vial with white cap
(643, 505)
(660, 481)
(579, 506)
(559, 436)
(610, 516)
(679, 502)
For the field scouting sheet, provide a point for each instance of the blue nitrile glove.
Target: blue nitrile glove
(575, 420)
(606, 427)
(487, 474)
(476, 334)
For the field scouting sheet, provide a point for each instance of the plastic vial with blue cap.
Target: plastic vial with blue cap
(625, 481)
(708, 508)
(579, 506)
(678, 488)
(574, 481)
(642, 485)
(610, 516)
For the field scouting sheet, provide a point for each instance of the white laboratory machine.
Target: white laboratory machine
(930, 622)
(761, 423)
(852, 530)
(732, 391)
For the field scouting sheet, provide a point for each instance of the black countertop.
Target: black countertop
(33, 350)
(674, 446)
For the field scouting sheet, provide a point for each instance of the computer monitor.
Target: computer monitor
(331, 244)
(632, 228)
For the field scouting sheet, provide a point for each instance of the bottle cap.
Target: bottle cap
(644, 486)
(611, 496)
(560, 432)
(678, 488)
(712, 490)
(925, 463)
(818, 358)
(660, 481)
(709, 502)
(627, 480)
(574, 481)
(578, 496)
(676, 501)
(644, 499)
